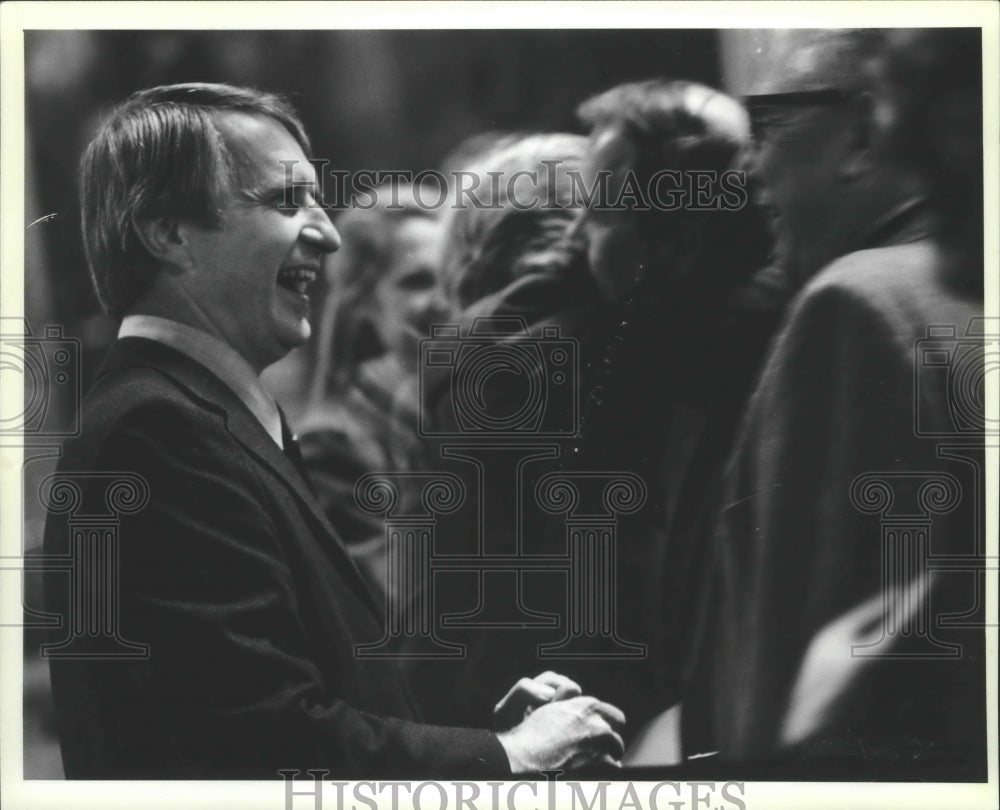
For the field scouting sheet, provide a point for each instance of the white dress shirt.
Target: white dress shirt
(218, 357)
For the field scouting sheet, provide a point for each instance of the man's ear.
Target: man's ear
(859, 145)
(166, 240)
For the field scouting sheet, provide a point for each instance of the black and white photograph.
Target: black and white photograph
(528, 404)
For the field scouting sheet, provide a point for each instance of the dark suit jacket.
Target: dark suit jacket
(246, 597)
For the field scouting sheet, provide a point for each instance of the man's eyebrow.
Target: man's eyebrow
(293, 177)
(269, 187)
(294, 182)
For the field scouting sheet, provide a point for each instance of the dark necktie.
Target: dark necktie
(293, 451)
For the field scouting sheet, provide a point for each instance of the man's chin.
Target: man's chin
(291, 337)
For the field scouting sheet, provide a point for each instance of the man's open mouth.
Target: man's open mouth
(297, 278)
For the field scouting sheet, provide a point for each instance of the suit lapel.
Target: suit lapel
(243, 426)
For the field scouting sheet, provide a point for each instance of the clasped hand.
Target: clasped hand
(547, 723)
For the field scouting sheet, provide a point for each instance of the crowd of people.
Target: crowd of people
(745, 353)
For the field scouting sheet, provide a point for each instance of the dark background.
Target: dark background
(370, 99)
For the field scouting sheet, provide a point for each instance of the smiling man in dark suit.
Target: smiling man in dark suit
(203, 231)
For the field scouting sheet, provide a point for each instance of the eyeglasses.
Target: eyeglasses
(771, 110)
(826, 97)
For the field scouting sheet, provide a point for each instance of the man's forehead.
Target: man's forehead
(263, 148)
(727, 116)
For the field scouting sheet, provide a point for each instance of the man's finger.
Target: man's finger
(532, 693)
(564, 687)
(584, 760)
(607, 759)
(611, 742)
(614, 715)
(523, 695)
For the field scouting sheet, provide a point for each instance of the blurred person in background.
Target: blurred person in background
(224, 555)
(384, 292)
(517, 229)
(669, 354)
(827, 643)
(667, 293)
(928, 99)
(470, 150)
(505, 255)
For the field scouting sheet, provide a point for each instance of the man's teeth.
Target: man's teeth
(297, 278)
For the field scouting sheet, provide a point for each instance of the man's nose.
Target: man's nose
(320, 233)
(746, 161)
(438, 304)
(430, 304)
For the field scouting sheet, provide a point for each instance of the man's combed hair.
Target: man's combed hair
(160, 153)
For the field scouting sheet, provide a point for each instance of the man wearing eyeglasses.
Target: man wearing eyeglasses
(805, 581)
(819, 175)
